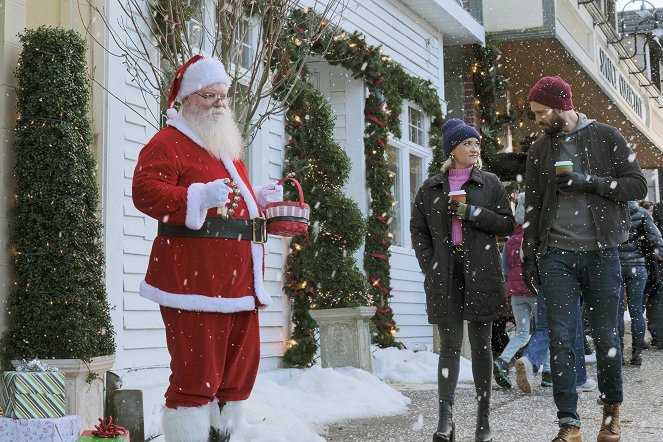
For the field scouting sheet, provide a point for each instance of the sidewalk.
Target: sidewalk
(517, 417)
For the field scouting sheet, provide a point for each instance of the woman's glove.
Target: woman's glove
(215, 194)
(269, 193)
(461, 210)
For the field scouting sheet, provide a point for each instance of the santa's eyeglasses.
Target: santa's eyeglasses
(213, 98)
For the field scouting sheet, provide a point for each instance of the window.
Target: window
(407, 158)
(396, 224)
(416, 133)
(416, 176)
(195, 25)
(243, 42)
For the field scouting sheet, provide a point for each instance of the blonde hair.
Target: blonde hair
(450, 163)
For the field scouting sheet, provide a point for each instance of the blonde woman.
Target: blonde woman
(456, 245)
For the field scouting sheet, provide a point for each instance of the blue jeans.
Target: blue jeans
(538, 349)
(523, 307)
(597, 275)
(634, 279)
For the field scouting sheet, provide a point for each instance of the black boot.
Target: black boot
(216, 436)
(445, 426)
(636, 357)
(482, 433)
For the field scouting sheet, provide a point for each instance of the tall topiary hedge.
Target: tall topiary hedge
(58, 307)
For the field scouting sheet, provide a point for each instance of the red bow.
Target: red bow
(107, 429)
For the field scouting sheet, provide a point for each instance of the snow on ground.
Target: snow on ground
(289, 405)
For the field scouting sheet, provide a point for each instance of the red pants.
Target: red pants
(211, 355)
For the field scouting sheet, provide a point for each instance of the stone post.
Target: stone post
(345, 339)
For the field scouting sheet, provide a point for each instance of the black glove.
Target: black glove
(461, 210)
(573, 181)
(531, 273)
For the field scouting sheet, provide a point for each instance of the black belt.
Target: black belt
(217, 227)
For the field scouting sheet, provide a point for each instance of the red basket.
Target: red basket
(288, 218)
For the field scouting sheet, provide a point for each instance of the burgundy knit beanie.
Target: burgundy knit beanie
(553, 92)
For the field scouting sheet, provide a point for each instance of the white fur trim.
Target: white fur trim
(195, 213)
(230, 417)
(196, 303)
(187, 424)
(201, 74)
(257, 250)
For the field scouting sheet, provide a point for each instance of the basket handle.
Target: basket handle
(299, 187)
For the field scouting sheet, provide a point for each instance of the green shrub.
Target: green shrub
(58, 307)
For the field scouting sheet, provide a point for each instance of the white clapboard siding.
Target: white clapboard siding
(404, 36)
(408, 299)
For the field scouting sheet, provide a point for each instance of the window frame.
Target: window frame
(405, 148)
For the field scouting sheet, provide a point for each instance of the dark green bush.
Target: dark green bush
(58, 307)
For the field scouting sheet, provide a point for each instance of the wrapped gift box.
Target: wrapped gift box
(87, 436)
(59, 429)
(38, 394)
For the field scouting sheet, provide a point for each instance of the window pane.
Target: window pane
(243, 42)
(416, 175)
(416, 126)
(396, 225)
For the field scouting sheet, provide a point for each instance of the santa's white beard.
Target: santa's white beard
(217, 130)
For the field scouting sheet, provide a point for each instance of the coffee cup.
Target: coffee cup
(458, 195)
(563, 166)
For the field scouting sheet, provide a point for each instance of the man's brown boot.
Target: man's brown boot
(568, 433)
(611, 427)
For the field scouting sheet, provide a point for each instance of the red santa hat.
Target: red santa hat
(197, 73)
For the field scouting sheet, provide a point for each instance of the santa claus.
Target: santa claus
(206, 266)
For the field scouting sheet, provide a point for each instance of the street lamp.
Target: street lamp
(644, 25)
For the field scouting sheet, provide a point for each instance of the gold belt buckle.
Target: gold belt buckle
(458, 247)
(259, 230)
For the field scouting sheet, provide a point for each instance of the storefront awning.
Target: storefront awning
(526, 61)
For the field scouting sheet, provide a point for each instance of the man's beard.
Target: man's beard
(556, 125)
(217, 131)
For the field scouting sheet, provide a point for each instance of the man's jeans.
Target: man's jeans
(537, 350)
(597, 275)
(634, 279)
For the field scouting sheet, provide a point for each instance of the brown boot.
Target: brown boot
(568, 433)
(611, 428)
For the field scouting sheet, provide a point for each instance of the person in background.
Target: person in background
(456, 246)
(206, 266)
(654, 290)
(523, 300)
(576, 220)
(644, 239)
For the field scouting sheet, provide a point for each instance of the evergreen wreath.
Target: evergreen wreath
(310, 129)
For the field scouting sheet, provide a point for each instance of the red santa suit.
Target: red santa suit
(208, 289)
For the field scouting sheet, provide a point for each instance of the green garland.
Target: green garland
(490, 84)
(388, 85)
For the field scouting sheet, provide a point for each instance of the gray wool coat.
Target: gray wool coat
(430, 227)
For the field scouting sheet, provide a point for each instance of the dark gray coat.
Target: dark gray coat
(430, 228)
(608, 158)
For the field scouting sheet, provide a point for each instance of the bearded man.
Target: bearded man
(575, 222)
(206, 265)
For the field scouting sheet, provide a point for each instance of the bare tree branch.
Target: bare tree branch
(155, 37)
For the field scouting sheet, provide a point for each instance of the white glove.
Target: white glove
(269, 193)
(215, 194)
